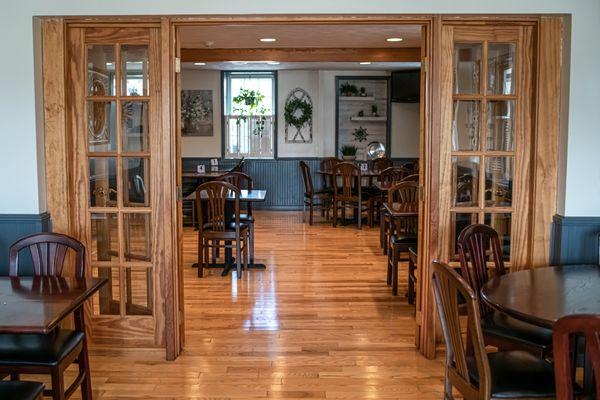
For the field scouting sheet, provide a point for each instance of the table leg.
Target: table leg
(83, 359)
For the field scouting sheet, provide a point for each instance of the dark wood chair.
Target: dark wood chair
(239, 167)
(49, 354)
(218, 228)
(564, 337)
(21, 390)
(413, 261)
(381, 164)
(327, 165)
(243, 181)
(312, 197)
(347, 191)
(389, 176)
(402, 232)
(478, 249)
(476, 374)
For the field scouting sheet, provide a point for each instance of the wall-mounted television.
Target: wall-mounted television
(406, 86)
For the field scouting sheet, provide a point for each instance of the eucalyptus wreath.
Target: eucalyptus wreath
(292, 107)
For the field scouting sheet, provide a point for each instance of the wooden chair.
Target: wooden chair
(49, 354)
(23, 390)
(349, 192)
(564, 334)
(413, 261)
(381, 164)
(310, 195)
(476, 374)
(243, 181)
(217, 225)
(239, 167)
(402, 233)
(328, 164)
(389, 176)
(478, 245)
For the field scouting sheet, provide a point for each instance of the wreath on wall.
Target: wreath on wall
(298, 113)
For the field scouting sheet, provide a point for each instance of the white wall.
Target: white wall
(19, 163)
(405, 130)
(204, 146)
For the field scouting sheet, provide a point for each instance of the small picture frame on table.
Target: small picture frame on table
(201, 169)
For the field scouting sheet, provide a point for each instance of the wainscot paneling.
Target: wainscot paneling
(16, 226)
(575, 240)
(279, 177)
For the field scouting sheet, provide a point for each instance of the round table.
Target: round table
(541, 296)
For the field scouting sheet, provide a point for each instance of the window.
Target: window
(249, 114)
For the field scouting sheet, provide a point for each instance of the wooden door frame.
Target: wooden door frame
(549, 33)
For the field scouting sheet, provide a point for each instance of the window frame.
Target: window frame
(224, 108)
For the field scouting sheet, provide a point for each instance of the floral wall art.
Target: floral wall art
(197, 113)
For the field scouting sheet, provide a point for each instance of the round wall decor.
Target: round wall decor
(298, 114)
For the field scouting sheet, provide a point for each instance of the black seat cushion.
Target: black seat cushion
(230, 226)
(20, 390)
(37, 349)
(405, 240)
(506, 327)
(517, 374)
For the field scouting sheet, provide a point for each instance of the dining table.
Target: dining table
(246, 196)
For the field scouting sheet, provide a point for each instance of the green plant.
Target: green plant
(360, 134)
(297, 112)
(374, 109)
(348, 89)
(248, 103)
(348, 150)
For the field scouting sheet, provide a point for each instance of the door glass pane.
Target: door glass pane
(105, 237)
(138, 286)
(106, 302)
(465, 125)
(101, 70)
(467, 68)
(134, 123)
(101, 126)
(135, 182)
(501, 222)
(137, 236)
(500, 125)
(465, 175)
(501, 64)
(498, 181)
(459, 222)
(103, 182)
(134, 70)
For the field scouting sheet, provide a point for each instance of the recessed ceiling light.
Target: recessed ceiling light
(273, 62)
(109, 64)
(394, 39)
(365, 63)
(199, 63)
(268, 39)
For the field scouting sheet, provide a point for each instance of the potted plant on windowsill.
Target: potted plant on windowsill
(248, 104)
(348, 152)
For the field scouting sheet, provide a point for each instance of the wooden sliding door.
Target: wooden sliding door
(119, 165)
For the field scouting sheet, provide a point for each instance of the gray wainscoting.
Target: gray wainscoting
(575, 240)
(16, 226)
(281, 179)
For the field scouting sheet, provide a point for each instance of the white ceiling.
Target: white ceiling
(299, 36)
(329, 66)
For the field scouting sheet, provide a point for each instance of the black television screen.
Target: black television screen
(406, 86)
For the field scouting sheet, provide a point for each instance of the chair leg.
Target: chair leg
(200, 257)
(310, 210)
(58, 385)
(389, 269)
(247, 250)
(394, 271)
(335, 214)
(252, 243)
(304, 212)
(359, 209)
(238, 258)
(382, 231)
(84, 368)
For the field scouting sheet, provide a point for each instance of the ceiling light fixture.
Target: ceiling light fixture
(394, 39)
(267, 39)
(365, 63)
(199, 63)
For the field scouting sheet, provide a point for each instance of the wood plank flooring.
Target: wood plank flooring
(319, 323)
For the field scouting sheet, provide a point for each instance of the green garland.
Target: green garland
(294, 105)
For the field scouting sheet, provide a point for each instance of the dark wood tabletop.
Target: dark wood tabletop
(541, 296)
(250, 196)
(397, 210)
(39, 304)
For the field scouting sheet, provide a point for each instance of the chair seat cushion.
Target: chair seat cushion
(506, 327)
(20, 390)
(229, 227)
(517, 374)
(407, 240)
(38, 349)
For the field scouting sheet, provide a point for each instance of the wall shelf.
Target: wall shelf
(357, 98)
(369, 119)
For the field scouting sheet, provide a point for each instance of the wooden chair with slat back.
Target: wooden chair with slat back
(565, 331)
(312, 197)
(327, 165)
(218, 225)
(478, 247)
(393, 175)
(48, 354)
(347, 190)
(381, 164)
(239, 167)
(388, 177)
(476, 374)
(401, 233)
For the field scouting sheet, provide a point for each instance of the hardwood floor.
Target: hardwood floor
(320, 322)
